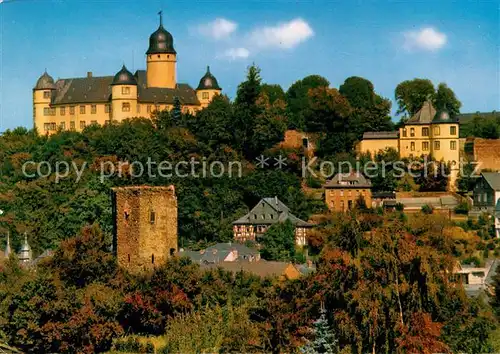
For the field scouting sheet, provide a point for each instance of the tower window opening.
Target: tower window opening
(152, 217)
(126, 215)
(204, 95)
(125, 107)
(129, 258)
(172, 251)
(46, 94)
(152, 259)
(158, 55)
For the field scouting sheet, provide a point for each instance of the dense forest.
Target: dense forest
(383, 282)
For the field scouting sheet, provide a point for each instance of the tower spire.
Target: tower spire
(7, 247)
(161, 17)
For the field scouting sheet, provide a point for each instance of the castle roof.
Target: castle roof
(124, 77)
(208, 82)
(45, 82)
(381, 135)
(161, 41)
(98, 90)
(424, 114)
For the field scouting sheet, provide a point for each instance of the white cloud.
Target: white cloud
(235, 53)
(220, 28)
(425, 39)
(285, 35)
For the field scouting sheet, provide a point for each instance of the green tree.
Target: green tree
(411, 95)
(278, 243)
(446, 98)
(297, 99)
(273, 92)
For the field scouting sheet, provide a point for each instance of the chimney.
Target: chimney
(276, 199)
(89, 74)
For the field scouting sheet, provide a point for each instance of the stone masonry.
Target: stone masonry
(145, 226)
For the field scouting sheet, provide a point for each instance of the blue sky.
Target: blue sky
(385, 42)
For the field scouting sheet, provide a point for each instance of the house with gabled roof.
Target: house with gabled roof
(486, 196)
(267, 212)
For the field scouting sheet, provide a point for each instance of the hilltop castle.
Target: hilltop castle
(74, 103)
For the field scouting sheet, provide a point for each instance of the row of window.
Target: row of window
(437, 145)
(48, 111)
(349, 193)
(72, 125)
(263, 216)
(425, 131)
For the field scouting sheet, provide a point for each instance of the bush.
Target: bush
(462, 208)
(427, 209)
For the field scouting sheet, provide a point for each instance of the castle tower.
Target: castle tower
(42, 96)
(208, 88)
(161, 59)
(145, 226)
(25, 254)
(123, 95)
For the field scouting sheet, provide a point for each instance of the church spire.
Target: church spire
(7, 247)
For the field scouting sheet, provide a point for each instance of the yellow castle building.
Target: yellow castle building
(428, 132)
(74, 103)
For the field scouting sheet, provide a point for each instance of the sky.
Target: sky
(386, 42)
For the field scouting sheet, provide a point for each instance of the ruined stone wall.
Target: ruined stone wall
(145, 226)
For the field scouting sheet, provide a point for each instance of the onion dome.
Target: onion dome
(45, 82)
(161, 41)
(208, 82)
(442, 115)
(124, 77)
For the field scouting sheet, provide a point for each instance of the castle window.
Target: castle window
(152, 259)
(82, 109)
(437, 130)
(107, 108)
(63, 111)
(93, 109)
(205, 95)
(125, 107)
(437, 145)
(412, 131)
(412, 146)
(82, 124)
(425, 131)
(46, 94)
(72, 110)
(157, 107)
(404, 132)
(63, 125)
(46, 111)
(53, 126)
(159, 56)
(152, 217)
(149, 108)
(72, 125)
(172, 251)
(126, 215)
(129, 258)
(92, 122)
(453, 145)
(305, 143)
(453, 130)
(125, 90)
(425, 145)
(46, 126)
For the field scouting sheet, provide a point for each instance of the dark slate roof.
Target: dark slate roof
(83, 90)
(208, 82)
(381, 135)
(493, 179)
(186, 94)
(124, 77)
(45, 82)
(161, 41)
(384, 195)
(98, 90)
(218, 252)
(425, 115)
(261, 268)
(346, 180)
(270, 211)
